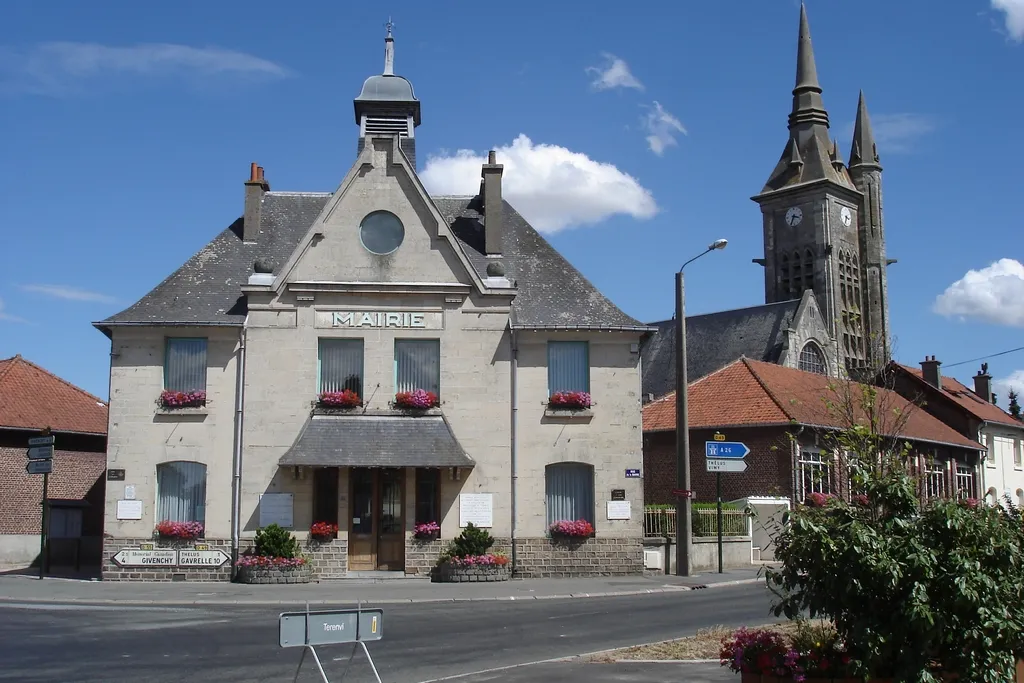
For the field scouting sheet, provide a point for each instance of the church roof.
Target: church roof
(713, 340)
(206, 289)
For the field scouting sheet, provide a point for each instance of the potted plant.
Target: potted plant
(323, 532)
(468, 558)
(182, 399)
(339, 400)
(571, 530)
(428, 531)
(179, 531)
(569, 400)
(810, 655)
(275, 558)
(418, 399)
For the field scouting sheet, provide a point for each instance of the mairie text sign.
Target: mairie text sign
(725, 449)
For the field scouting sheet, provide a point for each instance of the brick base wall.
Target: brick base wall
(112, 572)
(328, 560)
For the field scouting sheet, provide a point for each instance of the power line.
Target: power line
(992, 355)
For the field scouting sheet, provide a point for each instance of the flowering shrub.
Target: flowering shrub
(572, 400)
(417, 398)
(426, 530)
(820, 500)
(263, 561)
(182, 399)
(339, 399)
(488, 560)
(323, 531)
(812, 652)
(180, 530)
(581, 528)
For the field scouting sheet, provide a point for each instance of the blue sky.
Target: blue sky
(632, 139)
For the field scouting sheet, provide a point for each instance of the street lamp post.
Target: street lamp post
(684, 510)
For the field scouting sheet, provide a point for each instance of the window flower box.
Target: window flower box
(179, 531)
(572, 531)
(339, 400)
(173, 400)
(429, 531)
(418, 399)
(323, 532)
(570, 400)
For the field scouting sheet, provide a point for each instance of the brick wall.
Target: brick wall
(769, 466)
(112, 572)
(328, 560)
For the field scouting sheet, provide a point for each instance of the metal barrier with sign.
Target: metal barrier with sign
(330, 627)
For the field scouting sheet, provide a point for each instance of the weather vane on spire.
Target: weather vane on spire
(389, 50)
(390, 25)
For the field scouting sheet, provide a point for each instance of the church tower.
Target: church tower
(812, 219)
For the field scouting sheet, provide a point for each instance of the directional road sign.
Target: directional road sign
(41, 441)
(725, 449)
(39, 466)
(40, 452)
(726, 465)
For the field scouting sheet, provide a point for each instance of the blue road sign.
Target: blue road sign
(725, 449)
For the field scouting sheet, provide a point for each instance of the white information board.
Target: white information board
(129, 509)
(276, 508)
(619, 509)
(477, 508)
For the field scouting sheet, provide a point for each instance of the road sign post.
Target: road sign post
(723, 456)
(40, 461)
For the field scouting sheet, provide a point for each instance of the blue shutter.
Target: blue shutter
(181, 492)
(185, 364)
(568, 366)
(341, 365)
(418, 365)
(569, 492)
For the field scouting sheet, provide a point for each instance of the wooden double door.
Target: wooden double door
(376, 537)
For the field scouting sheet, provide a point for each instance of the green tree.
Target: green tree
(1014, 408)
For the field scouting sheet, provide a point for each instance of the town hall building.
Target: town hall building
(374, 358)
(826, 304)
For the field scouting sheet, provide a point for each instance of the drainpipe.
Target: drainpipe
(514, 397)
(236, 476)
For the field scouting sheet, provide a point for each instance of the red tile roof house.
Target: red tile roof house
(781, 415)
(31, 399)
(973, 413)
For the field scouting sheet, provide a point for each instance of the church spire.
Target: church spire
(808, 107)
(389, 50)
(864, 152)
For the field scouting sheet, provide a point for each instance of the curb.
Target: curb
(6, 600)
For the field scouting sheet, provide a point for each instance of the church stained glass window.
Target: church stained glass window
(812, 359)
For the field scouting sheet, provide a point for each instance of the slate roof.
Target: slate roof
(205, 290)
(714, 340)
(965, 398)
(376, 441)
(750, 393)
(33, 398)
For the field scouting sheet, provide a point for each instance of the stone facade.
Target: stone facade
(329, 560)
(448, 573)
(546, 558)
(111, 571)
(266, 575)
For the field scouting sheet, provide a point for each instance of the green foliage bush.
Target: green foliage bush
(471, 542)
(273, 541)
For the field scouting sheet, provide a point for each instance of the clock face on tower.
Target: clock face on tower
(794, 216)
(845, 216)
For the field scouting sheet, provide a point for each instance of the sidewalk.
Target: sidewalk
(28, 588)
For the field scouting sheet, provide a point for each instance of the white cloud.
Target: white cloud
(61, 67)
(661, 127)
(553, 187)
(614, 74)
(1014, 10)
(1002, 387)
(7, 317)
(68, 293)
(994, 294)
(897, 132)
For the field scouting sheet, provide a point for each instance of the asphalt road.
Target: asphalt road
(107, 644)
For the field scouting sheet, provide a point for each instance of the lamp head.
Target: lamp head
(718, 244)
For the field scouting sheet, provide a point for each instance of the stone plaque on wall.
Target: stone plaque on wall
(477, 508)
(276, 508)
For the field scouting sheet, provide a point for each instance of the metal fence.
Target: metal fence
(662, 522)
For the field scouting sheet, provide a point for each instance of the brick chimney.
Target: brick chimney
(255, 187)
(983, 384)
(491, 194)
(930, 371)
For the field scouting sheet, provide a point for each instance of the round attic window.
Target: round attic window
(381, 232)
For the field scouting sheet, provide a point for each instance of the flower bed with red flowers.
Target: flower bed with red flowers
(569, 400)
(323, 531)
(263, 561)
(565, 528)
(182, 399)
(418, 399)
(339, 399)
(427, 531)
(488, 560)
(811, 653)
(181, 531)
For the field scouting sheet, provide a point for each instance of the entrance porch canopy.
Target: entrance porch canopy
(376, 441)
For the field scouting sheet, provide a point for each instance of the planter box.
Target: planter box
(448, 573)
(427, 538)
(275, 575)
